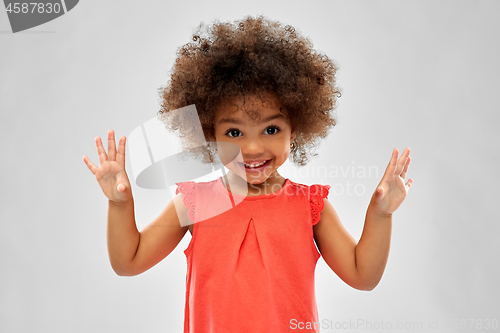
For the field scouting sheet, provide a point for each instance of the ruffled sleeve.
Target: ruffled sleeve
(317, 194)
(189, 191)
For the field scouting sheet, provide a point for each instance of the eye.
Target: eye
(270, 130)
(232, 130)
(275, 129)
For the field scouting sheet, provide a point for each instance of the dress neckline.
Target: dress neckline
(255, 197)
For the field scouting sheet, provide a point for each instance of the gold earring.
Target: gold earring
(292, 144)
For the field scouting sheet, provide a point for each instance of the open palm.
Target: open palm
(392, 190)
(111, 174)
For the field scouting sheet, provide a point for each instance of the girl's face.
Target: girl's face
(265, 139)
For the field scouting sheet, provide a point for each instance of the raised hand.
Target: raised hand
(392, 190)
(111, 175)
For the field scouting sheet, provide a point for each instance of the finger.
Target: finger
(391, 167)
(111, 146)
(402, 161)
(409, 183)
(90, 165)
(405, 170)
(103, 157)
(120, 156)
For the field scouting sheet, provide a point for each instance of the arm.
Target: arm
(160, 237)
(122, 235)
(362, 265)
(372, 250)
(132, 252)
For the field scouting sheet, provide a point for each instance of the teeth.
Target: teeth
(255, 165)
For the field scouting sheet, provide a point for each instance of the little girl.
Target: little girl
(260, 87)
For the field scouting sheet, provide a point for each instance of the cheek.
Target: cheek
(280, 148)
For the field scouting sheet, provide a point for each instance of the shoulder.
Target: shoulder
(190, 187)
(192, 192)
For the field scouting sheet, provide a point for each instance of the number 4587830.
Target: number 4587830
(36, 7)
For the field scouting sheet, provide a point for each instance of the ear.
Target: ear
(292, 135)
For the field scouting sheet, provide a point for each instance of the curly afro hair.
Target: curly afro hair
(253, 56)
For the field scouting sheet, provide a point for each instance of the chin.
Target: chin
(256, 181)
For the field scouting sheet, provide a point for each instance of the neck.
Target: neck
(238, 185)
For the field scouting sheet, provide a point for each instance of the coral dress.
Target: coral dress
(251, 260)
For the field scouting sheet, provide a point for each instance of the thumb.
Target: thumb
(379, 192)
(121, 188)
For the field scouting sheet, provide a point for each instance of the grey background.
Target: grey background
(418, 74)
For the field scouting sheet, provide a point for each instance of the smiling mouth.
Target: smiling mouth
(254, 166)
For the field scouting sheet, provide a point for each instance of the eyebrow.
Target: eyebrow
(236, 121)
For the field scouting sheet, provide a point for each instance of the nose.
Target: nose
(252, 148)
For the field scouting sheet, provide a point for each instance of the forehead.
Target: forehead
(249, 108)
